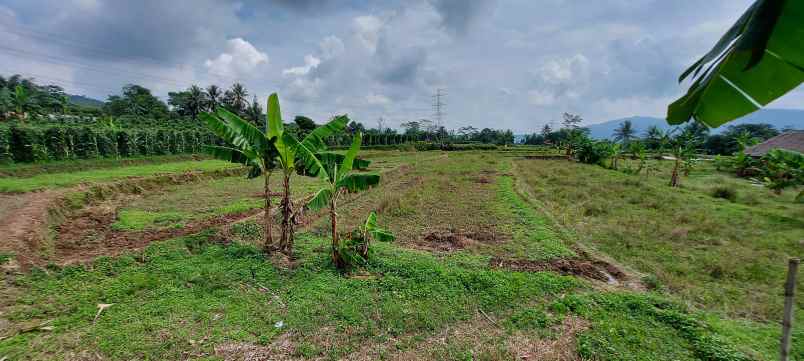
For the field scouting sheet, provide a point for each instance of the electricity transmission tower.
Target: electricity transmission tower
(438, 111)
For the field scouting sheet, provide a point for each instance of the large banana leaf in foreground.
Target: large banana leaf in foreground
(758, 60)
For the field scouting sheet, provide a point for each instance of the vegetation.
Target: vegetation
(336, 169)
(757, 61)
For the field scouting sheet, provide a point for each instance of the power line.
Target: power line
(438, 104)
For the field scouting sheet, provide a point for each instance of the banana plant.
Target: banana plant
(295, 155)
(249, 146)
(355, 249)
(759, 59)
(337, 170)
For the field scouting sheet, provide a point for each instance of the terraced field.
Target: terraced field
(497, 257)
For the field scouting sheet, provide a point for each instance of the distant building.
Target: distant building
(792, 140)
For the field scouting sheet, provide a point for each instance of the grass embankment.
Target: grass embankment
(724, 256)
(71, 178)
(76, 165)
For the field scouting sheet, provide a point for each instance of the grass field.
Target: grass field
(701, 281)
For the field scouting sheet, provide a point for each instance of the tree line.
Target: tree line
(725, 143)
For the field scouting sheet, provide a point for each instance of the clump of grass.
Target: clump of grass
(627, 326)
(5, 257)
(725, 192)
(136, 220)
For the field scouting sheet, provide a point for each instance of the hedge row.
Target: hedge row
(22, 144)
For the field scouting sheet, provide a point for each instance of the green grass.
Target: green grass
(533, 237)
(722, 256)
(135, 220)
(167, 296)
(75, 165)
(61, 180)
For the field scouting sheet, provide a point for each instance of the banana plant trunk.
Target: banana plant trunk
(674, 175)
(269, 238)
(336, 256)
(286, 243)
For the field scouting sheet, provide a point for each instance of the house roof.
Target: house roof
(792, 140)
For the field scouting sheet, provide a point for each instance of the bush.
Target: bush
(725, 192)
(5, 146)
(592, 152)
(57, 144)
(25, 144)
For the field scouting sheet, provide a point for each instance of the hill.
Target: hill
(85, 101)
(779, 118)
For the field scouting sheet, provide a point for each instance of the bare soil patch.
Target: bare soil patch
(456, 239)
(587, 268)
(23, 224)
(90, 234)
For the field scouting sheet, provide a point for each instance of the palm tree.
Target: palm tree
(337, 169)
(249, 146)
(213, 98)
(295, 156)
(196, 100)
(757, 61)
(625, 132)
(653, 136)
(236, 97)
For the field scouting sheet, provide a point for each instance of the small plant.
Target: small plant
(354, 250)
(725, 192)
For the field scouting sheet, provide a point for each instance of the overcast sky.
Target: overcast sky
(514, 64)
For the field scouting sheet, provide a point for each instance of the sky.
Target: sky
(505, 64)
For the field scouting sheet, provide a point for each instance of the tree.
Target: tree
(653, 136)
(306, 125)
(546, 130)
(235, 98)
(625, 132)
(337, 172)
(138, 101)
(759, 59)
(571, 121)
(213, 97)
(254, 111)
(683, 150)
(188, 103)
(249, 146)
(296, 156)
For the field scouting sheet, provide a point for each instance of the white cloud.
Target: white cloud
(239, 58)
(367, 29)
(541, 98)
(560, 71)
(377, 99)
(310, 63)
(331, 47)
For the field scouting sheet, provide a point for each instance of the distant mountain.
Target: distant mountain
(779, 118)
(85, 101)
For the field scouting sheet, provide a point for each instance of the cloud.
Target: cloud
(541, 98)
(459, 15)
(367, 30)
(310, 63)
(331, 46)
(239, 58)
(377, 99)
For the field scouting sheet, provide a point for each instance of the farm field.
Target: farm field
(496, 257)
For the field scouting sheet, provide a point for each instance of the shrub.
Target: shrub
(107, 144)
(58, 147)
(23, 143)
(725, 192)
(5, 146)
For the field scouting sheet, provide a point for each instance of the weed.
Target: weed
(725, 192)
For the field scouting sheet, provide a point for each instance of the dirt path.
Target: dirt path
(23, 224)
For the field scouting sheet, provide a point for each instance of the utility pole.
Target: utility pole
(438, 111)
